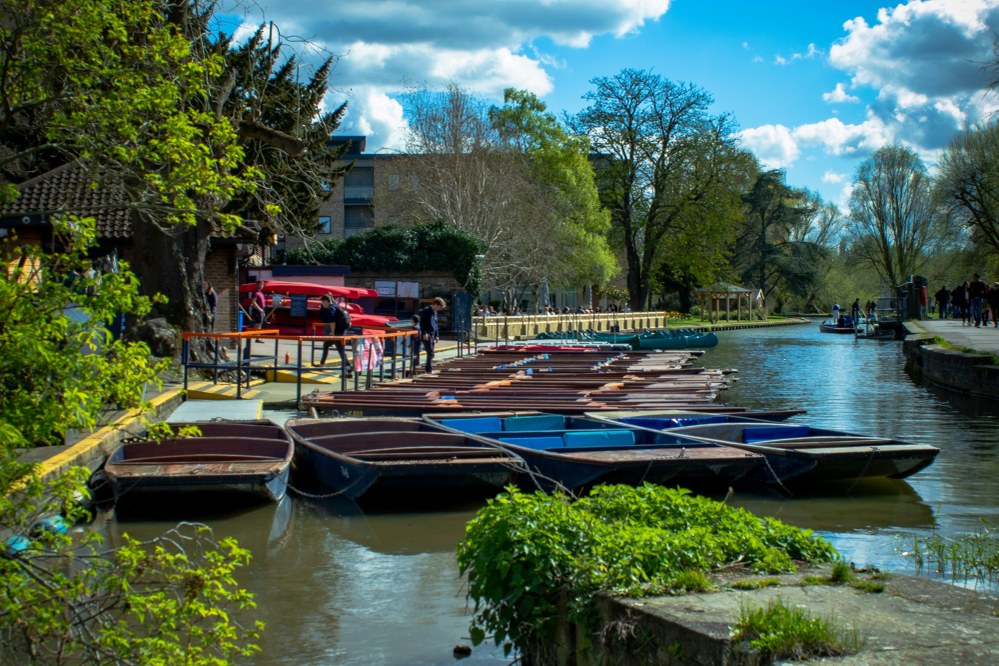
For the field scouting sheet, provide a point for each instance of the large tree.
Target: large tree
(968, 181)
(197, 138)
(669, 171)
(775, 251)
(892, 212)
(510, 177)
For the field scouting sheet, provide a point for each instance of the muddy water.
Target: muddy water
(337, 585)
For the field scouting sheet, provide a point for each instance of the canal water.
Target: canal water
(337, 585)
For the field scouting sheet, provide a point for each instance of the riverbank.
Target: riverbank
(966, 364)
(912, 621)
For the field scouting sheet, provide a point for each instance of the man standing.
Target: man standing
(943, 297)
(429, 332)
(976, 294)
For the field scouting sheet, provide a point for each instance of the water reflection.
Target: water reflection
(338, 584)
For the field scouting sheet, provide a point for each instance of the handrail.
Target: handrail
(243, 365)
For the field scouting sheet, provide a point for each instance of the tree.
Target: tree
(773, 251)
(567, 203)
(669, 172)
(69, 599)
(968, 181)
(185, 128)
(891, 212)
(503, 175)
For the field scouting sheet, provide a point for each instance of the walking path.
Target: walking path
(984, 339)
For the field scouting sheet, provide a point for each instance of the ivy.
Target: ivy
(527, 555)
(393, 248)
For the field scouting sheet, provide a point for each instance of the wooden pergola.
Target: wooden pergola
(717, 301)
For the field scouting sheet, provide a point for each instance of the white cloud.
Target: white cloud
(387, 46)
(833, 177)
(839, 138)
(839, 95)
(780, 60)
(812, 52)
(773, 145)
(379, 117)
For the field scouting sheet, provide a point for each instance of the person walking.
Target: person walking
(337, 323)
(429, 331)
(959, 297)
(993, 298)
(976, 296)
(943, 298)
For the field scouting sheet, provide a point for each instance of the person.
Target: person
(211, 303)
(976, 296)
(993, 298)
(336, 324)
(943, 297)
(835, 313)
(415, 341)
(855, 311)
(924, 298)
(429, 332)
(959, 297)
(256, 311)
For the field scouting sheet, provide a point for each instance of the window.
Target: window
(356, 219)
(324, 226)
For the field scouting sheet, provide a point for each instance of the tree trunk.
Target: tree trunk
(173, 264)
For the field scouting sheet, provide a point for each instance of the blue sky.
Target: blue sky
(814, 87)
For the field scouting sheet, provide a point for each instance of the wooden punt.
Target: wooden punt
(248, 459)
(356, 457)
(795, 453)
(573, 452)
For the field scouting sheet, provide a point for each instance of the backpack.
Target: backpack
(341, 317)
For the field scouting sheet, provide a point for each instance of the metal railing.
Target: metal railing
(291, 351)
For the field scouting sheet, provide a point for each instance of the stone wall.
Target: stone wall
(962, 372)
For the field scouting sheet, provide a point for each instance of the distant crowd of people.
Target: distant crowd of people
(974, 301)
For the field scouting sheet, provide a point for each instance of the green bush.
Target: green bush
(527, 554)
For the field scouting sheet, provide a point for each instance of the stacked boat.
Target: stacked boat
(665, 338)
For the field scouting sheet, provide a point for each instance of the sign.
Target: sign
(299, 305)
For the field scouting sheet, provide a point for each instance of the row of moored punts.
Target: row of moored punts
(542, 421)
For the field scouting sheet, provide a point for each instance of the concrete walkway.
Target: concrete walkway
(984, 339)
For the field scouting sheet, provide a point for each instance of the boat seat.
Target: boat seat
(758, 434)
(536, 443)
(597, 438)
(534, 422)
(476, 425)
(663, 423)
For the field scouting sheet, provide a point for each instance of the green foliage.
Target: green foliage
(972, 556)
(66, 598)
(58, 352)
(755, 583)
(524, 553)
(392, 248)
(791, 633)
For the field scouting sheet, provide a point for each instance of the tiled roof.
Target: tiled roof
(68, 188)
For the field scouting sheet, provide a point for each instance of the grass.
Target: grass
(992, 359)
(755, 583)
(973, 556)
(782, 632)
(842, 574)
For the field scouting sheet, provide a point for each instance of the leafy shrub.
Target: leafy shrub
(525, 555)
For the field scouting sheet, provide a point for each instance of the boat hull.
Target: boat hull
(229, 461)
(576, 452)
(793, 453)
(368, 457)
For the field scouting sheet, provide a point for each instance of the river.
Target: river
(336, 585)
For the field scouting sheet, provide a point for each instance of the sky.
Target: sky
(814, 87)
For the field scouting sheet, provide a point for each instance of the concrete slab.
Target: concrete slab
(206, 410)
(984, 339)
(913, 621)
